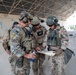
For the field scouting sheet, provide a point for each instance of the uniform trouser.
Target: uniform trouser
(37, 66)
(25, 70)
(57, 65)
(12, 63)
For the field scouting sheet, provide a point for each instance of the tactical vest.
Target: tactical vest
(40, 34)
(27, 40)
(53, 38)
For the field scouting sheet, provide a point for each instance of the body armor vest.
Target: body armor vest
(53, 38)
(27, 40)
(39, 34)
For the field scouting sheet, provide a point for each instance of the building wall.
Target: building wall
(6, 22)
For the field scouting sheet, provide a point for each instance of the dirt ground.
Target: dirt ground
(5, 68)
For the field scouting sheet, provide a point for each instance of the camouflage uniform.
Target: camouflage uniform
(21, 43)
(6, 46)
(39, 35)
(6, 42)
(57, 39)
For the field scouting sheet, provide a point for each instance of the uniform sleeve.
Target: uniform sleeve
(45, 38)
(15, 45)
(64, 38)
(5, 41)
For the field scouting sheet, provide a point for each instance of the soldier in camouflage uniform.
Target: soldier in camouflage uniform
(57, 40)
(39, 32)
(21, 45)
(6, 46)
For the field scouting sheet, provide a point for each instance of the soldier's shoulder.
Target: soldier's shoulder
(16, 30)
(63, 29)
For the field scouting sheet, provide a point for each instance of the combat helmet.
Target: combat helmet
(25, 16)
(52, 20)
(35, 21)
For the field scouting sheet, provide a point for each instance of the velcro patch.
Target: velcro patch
(12, 35)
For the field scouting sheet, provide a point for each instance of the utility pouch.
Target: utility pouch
(68, 55)
(19, 62)
(6, 46)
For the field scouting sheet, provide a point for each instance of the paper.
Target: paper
(49, 53)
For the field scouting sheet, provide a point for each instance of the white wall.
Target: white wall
(6, 22)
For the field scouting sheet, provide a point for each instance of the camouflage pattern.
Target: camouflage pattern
(56, 63)
(20, 43)
(40, 39)
(35, 21)
(37, 66)
(64, 37)
(12, 61)
(5, 43)
(16, 70)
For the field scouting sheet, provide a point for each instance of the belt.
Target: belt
(54, 47)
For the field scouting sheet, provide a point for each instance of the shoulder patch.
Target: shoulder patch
(14, 32)
(12, 35)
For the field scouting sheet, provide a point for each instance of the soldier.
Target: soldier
(39, 32)
(20, 44)
(6, 46)
(57, 40)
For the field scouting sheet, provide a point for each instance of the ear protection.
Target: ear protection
(24, 18)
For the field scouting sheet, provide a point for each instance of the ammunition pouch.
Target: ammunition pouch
(19, 62)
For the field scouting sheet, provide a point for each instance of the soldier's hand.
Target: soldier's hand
(44, 45)
(31, 55)
(37, 49)
(58, 52)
